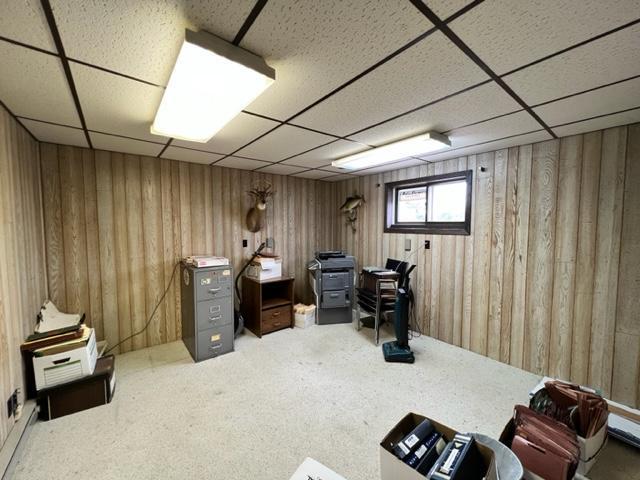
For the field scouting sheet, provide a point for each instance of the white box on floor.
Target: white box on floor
(310, 468)
(590, 449)
(265, 268)
(57, 368)
(306, 319)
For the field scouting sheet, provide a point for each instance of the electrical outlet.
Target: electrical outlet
(270, 242)
(245, 242)
(407, 244)
(427, 244)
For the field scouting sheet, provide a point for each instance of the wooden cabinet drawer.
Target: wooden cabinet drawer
(276, 318)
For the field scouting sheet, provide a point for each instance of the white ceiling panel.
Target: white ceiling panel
(525, 139)
(624, 118)
(187, 155)
(25, 22)
(481, 103)
(281, 169)
(338, 178)
(605, 100)
(514, 124)
(47, 132)
(114, 104)
(124, 145)
(412, 162)
(33, 84)
(312, 174)
(429, 70)
(507, 34)
(241, 163)
(142, 38)
(325, 155)
(317, 46)
(445, 8)
(238, 132)
(611, 58)
(284, 142)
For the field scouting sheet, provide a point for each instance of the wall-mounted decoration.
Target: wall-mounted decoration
(350, 209)
(261, 193)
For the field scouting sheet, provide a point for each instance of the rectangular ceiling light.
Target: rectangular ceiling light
(423, 143)
(212, 81)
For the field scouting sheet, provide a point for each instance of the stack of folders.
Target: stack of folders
(426, 450)
(544, 446)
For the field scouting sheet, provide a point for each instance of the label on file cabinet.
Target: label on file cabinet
(216, 338)
(214, 309)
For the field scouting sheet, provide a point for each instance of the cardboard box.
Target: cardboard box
(265, 268)
(590, 449)
(63, 367)
(306, 319)
(392, 468)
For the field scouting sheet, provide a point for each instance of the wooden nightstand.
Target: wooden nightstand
(267, 305)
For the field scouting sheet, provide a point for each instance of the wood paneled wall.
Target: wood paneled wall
(549, 279)
(22, 261)
(117, 224)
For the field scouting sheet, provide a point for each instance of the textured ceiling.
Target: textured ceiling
(350, 74)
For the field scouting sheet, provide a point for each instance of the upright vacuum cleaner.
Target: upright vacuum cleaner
(398, 350)
(237, 314)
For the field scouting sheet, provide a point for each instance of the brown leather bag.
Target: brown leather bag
(544, 446)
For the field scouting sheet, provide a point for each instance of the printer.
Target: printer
(332, 279)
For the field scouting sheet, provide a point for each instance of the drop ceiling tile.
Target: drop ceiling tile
(509, 125)
(34, 85)
(241, 163)
(124, 145)
(446, 8)
(624, 118)
(605, 100)
(312, 174)
(25, 22)
(339, 178)
(325, 155)
(317, 46)
(238, 132)
(390, 166)
(284, 142)
(188, 155)
(507, 34)
(611, 58)
(330, 168)
(483, 102)
(117, 105)
(142, 38)
(428, 71)
(47, 132)
(525, 139)
(281, 169)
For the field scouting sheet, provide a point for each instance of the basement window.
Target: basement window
(440, 204)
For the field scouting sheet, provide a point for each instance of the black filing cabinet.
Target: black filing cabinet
(207, 310)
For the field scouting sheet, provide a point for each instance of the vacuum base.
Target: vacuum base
(394, 353)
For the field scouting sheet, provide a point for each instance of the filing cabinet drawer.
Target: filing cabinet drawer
(276, 318)
(214, 313)
(214, 342)
(213, 284)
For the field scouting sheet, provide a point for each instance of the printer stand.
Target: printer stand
(267, 305)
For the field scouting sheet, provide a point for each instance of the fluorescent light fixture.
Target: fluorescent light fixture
(423, 143)
(212, 81)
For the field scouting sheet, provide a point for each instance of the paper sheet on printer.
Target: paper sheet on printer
(52, 319)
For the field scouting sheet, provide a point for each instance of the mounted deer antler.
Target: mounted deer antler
(261, 193)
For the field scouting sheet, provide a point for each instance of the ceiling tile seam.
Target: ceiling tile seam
(463, 10)
(17, 119)
(48, 122)
(51, 21)
(253, 15)
(596, 116)
(447, 132)
(582, 92)
(458, 42)
(26, 45)
(165, 147)
(247, 144)
(572, 47)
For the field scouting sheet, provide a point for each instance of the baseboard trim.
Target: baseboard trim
(12, 446)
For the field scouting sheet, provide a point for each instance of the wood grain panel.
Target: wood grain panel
(548, 280)
(22, 253)
(137, 216)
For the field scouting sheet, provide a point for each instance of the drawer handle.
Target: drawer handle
(333, 276)
(215, 347)
(333, 295)
(276, 324)
(215, 319)
(214, 290)
(276, 314)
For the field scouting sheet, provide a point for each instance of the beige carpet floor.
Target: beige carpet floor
(323, 392)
